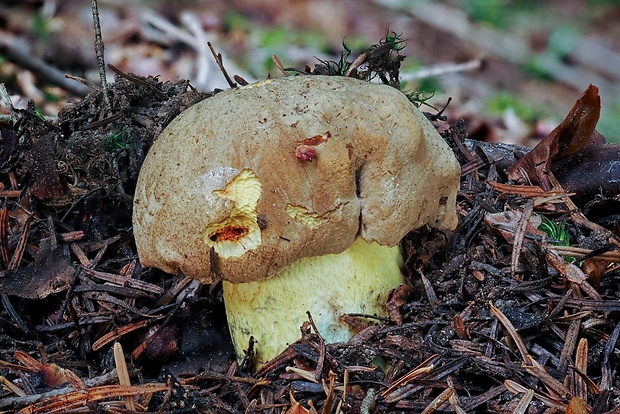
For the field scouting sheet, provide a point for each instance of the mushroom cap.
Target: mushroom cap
(249, 181)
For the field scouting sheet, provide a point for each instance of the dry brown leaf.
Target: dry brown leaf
(123, 374)
(568, 138)
(590, 172)
(522, 190)
(329, 392)
(524, 402)
(12, 387)
(50, 273)
(553, 385)
(505, 224)
(296, 407)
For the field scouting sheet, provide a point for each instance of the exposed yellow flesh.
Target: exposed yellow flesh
(240, 232)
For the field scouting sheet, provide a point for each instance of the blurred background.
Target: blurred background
(512, 68)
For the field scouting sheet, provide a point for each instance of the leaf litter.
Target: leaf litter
(497, 318)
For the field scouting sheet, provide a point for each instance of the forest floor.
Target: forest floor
(515, 311)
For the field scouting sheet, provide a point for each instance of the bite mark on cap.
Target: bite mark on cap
(240, 232)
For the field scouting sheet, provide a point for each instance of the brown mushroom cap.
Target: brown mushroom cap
(247, 182)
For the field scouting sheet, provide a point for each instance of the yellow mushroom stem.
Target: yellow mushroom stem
(357, 280)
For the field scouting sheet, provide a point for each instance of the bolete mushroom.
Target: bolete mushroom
(296, 193)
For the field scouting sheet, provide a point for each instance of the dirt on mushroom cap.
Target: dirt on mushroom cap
(379, 171)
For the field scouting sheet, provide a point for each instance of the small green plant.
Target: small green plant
(419, 98)
(381, 60)
(393, 40)
(384, 59)
(557, 232)
(558, 235)
(235, 22)
(114, 142)
(340, 67)
(39, 114)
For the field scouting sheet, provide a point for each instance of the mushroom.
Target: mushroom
(296, 193)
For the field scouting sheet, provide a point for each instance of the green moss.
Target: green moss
(428, 86)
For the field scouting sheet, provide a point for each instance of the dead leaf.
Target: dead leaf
(505, 224)
(50, 273)
(593, 171)
(571, 136)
